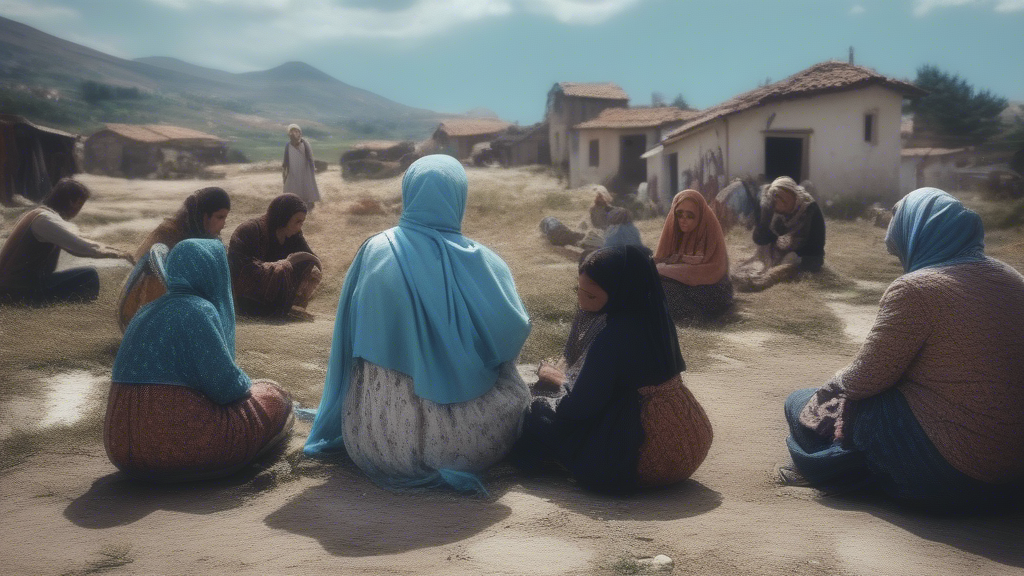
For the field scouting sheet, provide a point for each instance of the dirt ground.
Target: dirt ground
(66, 510)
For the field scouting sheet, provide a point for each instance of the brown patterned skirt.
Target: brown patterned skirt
(174, 433)
(677, 434)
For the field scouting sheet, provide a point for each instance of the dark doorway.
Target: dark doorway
(673, 174)
(783, 157)
(632, 167)
(543, 153)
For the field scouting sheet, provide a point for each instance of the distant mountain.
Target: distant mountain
(294, 91)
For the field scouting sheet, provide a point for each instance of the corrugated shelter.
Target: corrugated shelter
(522, 146)
(32, 158)
(133, 150)
(458, 135)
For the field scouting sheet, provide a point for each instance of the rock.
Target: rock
(659, 563)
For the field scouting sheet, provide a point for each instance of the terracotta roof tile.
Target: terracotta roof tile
(152, 133)
(603, 90)
(637, 117)
(914, 152)
(472, 126)
(832, 76)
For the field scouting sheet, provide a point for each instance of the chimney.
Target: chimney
(851, 55)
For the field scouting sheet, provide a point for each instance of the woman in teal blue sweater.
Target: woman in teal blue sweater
(179, 407)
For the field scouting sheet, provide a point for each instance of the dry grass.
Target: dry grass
(503, 211)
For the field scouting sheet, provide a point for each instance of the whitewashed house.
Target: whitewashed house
(570, 103)
(834, 123)
(609, 147)
(920, 167)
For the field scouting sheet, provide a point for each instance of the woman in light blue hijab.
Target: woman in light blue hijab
(421, 387)
(931, 411)
(180, 408)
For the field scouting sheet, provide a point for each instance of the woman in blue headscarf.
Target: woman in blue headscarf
(421, 388)
(932, 408)
(179, 406)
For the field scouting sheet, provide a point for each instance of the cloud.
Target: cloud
(1009, 5)
(35, 10)
(924, 7)
(858, 9)
(400, 18)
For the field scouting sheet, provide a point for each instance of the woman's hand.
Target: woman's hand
(550, 375)
(300, 257)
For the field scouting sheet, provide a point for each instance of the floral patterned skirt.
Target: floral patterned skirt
(390, 432)
(174, 433)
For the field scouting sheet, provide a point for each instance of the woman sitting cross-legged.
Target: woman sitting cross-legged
(202, 215)
(626, 419)
(422, 388)
(28, 258)
(692, 260)
(932, 408)
(179, 407)
(273, 270)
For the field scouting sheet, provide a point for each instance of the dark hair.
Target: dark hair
(210, 200)
(619, 216)
(201, 203)
(66, 192)
(282, 209)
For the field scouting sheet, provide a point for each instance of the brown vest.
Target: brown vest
(24, 260)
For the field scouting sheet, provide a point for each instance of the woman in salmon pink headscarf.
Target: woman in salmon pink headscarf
(692, 260)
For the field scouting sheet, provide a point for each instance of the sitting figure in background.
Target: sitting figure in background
(422, 387)
(692, 260)
(931, 411)
(600, 208)
(180, 408)
(28, 258)
(790, 237)
(202, 215)
(626, 420)
(621, 230)
(273, 270)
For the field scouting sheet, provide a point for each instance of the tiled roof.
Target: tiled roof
(637, 117)
(604, 90)
(914, 152)
(821, 78)
(472, 126)
(153, 133)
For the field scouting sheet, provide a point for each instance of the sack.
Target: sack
(677, 434)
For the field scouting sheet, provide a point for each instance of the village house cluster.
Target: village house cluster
(837, 124)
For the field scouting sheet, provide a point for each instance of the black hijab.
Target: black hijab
(635, 298)
(282, 209)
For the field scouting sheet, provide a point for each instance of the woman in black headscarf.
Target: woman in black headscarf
(626, 419)
(273, 269)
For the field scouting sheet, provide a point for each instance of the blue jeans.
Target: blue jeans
(886, 449)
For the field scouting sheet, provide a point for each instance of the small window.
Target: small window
(869, 127)
(594, 152)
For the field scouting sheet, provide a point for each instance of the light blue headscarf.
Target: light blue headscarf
(931, 228)
(623, 235)
(187, 336)
(426, 301)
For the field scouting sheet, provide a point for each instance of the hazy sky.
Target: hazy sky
(454, 55)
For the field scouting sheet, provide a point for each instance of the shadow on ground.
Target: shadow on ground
(118, 500)
(683, 500)
(998, 536)
(350, 516)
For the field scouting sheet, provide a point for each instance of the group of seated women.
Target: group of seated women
(422, 388)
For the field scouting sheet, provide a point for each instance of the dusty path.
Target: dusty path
(65, 510)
